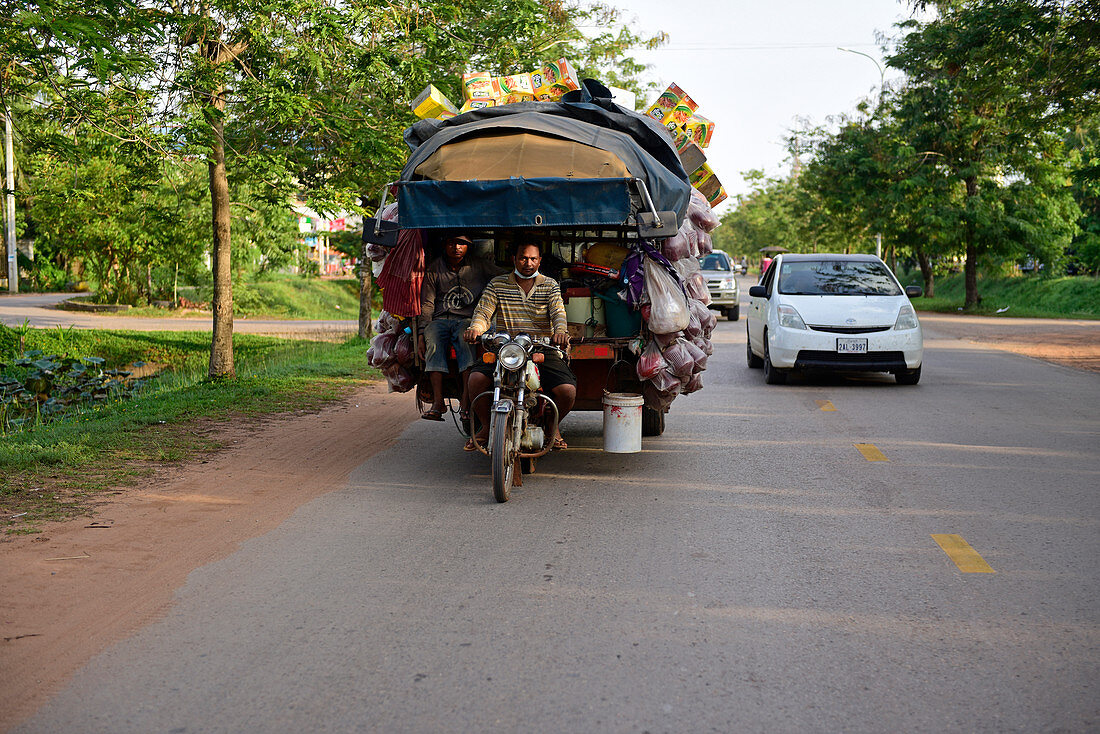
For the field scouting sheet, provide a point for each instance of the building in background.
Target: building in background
(316, 231)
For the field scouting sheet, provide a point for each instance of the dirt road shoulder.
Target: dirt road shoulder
(80, 586)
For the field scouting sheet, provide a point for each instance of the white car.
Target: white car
(833, 312)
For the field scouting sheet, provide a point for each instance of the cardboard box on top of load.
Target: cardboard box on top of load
(554, 80)
(698, 176)
(678, 117)
(478, 104)
(700, 129)
(718, 197)
(479, 85)
(665, 103)
(431, 103)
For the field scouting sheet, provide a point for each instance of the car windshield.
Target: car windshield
(836, 278)
(714, 262)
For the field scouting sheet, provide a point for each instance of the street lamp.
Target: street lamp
(881, 71)
(881, 92)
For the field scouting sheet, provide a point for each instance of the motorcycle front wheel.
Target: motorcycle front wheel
(503, 453)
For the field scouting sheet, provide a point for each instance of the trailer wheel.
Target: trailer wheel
(653, 421)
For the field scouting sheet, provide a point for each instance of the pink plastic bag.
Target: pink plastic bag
(706, 244)
(696, 287)
(399, 378)
(694, 328)
(389, 213)
(403, 349)
(656, 399)
(694, 384)
(700, 213)
(679, 359)
(650, 362)
(704, 344)
(698, 356)
(664, 340)
(380, 354)
(707, 319)
(667, 381)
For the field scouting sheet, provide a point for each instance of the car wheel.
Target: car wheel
(754, 361)
(907, 377)
(772, 375)
(733, 314)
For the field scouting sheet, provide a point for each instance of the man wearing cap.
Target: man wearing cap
(452, 285)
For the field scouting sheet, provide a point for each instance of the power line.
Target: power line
(758, 47)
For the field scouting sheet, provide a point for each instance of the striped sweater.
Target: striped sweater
(538, 313)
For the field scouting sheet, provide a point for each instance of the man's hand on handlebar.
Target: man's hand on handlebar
(470, 335)
(560, 340)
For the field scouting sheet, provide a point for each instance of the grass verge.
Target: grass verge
(1069, 297)
(62, 469)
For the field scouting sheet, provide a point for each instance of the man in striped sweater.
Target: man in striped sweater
(524, 301)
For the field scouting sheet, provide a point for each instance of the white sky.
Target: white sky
(754, 66)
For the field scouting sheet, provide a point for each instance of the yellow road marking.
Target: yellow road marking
(959, 551)
(826, 405)
(870, 452)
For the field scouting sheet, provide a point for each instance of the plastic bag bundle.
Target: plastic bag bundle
(655, 398)
(698, 356)
(668, 310)
(380, 353)
(694, 384)
(707, 319)
(679, 359)
(700, 213)
(694, 328)
(386, 322)
(667, 381)
(706, 244)
(695, 285)
(399, 378)
(403, 349)
(703, 343)
(664, 340)
(377, 253)
(650, 362)
(678, 246)
(389, 212)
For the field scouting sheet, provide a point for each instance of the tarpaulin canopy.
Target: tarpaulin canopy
(638, 144)
(514, 202)
(517, 153)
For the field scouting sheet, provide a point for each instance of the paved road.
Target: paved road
(750, 571)
(39, 310)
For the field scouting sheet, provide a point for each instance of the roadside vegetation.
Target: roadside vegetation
(273, 296)
(61, 466)
(979, 153)
(1064, 297)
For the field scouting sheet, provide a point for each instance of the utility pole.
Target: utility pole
(878, 245)
(9, 228)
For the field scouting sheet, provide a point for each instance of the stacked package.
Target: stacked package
(691, 133)
(392, 351)
(483, 89)
(674, 307)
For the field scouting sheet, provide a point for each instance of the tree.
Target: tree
(989, 87)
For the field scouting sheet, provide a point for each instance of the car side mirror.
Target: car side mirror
(914, 291)
(758, 291)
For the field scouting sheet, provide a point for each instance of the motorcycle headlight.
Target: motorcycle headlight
(512, 356)
(907, 319)
(789, 317)
(524, 341)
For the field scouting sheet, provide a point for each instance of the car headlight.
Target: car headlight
(907, 319)
(512, 356)
(789, 317)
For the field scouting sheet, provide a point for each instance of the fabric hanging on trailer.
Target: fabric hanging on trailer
(403, 274)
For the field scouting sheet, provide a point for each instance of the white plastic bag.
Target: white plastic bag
(668, 305)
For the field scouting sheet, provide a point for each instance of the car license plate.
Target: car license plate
(851, 346)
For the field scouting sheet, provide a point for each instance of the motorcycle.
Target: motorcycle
(522, 421)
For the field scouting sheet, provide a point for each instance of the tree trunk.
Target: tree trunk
(970, 269)
(221, 345)
(926, 272)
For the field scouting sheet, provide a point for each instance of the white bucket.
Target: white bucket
(622, 422)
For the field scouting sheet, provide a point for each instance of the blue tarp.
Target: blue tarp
(515, 202)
